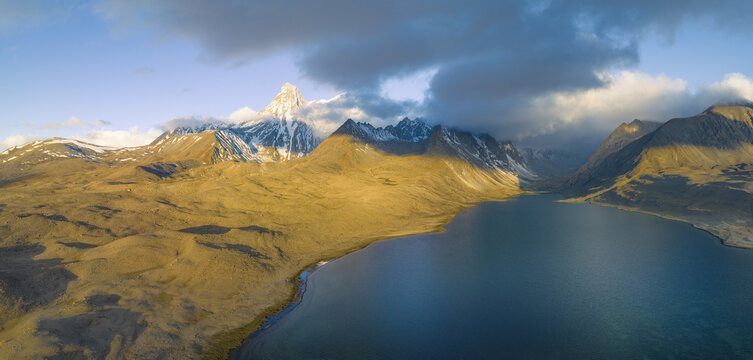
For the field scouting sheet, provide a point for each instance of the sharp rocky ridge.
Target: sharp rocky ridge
(416, 137)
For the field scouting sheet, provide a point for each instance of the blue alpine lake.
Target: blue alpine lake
(530, 278)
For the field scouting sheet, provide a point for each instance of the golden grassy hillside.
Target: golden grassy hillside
(697, 169)
(103, 259)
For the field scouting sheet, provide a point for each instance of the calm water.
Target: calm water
(529, 278)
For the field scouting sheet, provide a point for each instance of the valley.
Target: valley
(445, 180)
(180, 248)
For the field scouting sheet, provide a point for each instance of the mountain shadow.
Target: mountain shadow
(26, 283)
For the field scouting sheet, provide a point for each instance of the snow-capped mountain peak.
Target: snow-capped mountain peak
(416, 137)
(285, 104)
(278, 134)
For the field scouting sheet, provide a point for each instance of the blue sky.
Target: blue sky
(699, 52)
(80, 66)
(116, 65)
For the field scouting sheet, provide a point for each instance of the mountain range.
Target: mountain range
(276, 134)
(416, 137)
(179, 248)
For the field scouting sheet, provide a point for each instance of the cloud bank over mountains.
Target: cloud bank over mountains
(557, 119)
(497, 62)
(571, 117)
(324, 116)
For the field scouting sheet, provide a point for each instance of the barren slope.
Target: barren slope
(697, 169)
(183, 265)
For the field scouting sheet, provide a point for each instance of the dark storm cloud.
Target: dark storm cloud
(492, 57)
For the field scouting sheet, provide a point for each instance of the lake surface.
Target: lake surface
(529, 278)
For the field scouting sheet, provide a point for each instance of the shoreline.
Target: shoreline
(707, 229)
(228, 343)
(287, 307)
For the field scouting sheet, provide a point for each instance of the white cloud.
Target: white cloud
(735, 86)
(16, 140)
(325, 116)
(628, 95)
(74, 122)
(119, 138)
(243, 114)
(411, 87)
